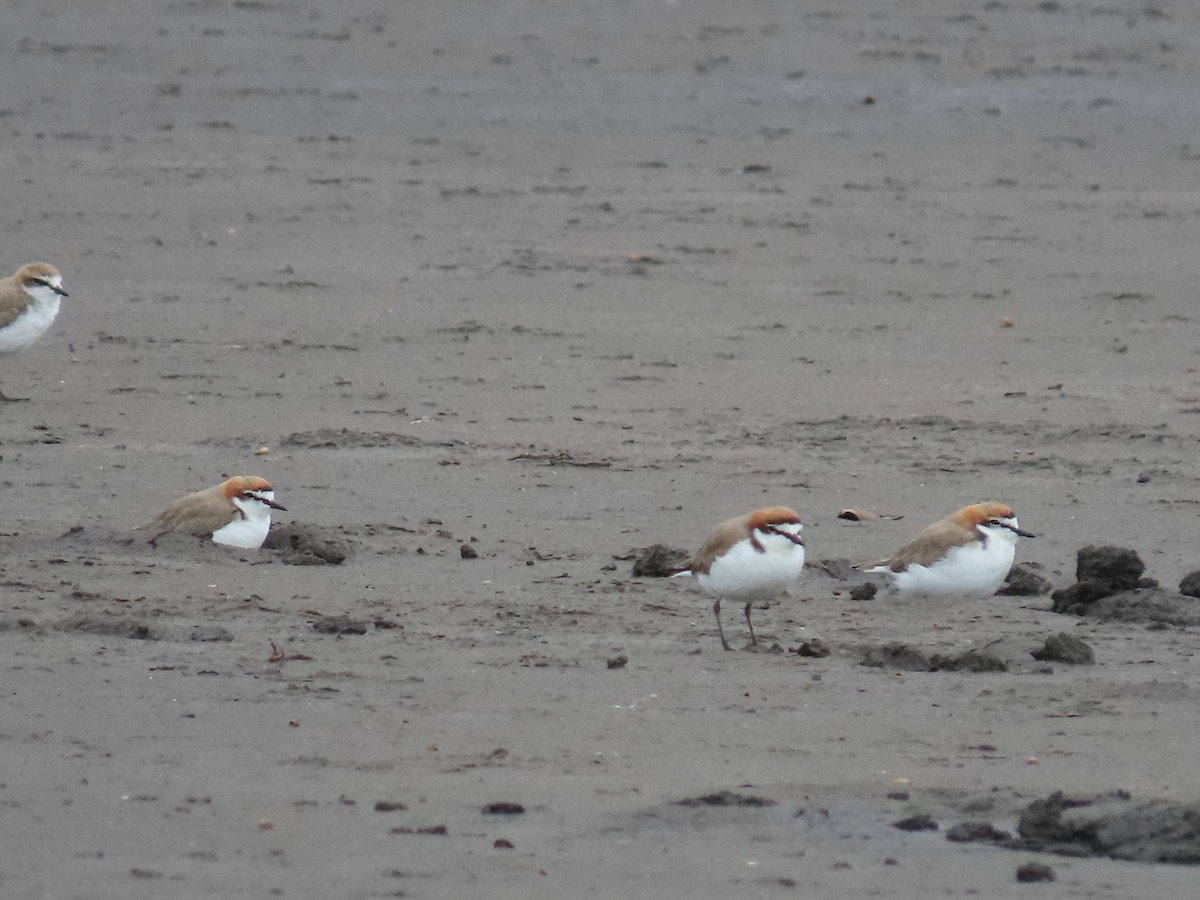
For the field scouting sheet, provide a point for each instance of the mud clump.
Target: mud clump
(980, 660)
(1100, 572)
(306, 545)
(814, 649)
(1113, 825)
(863, 592)
(1110, 587)
(659, 561)
(1154, 607)
(906, 658)
(1064, 648)
(1023, 581)
(1190, 586)
(1033, 871)
(898, 657)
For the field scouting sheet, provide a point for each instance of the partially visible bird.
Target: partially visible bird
(750, 558)
(969, 553)
(28, 306)
(236, 512)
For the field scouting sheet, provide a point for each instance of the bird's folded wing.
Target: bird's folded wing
(13, 302)
(927, 547)
(195, 514)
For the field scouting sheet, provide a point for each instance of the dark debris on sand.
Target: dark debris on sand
(976, 832)
(340, 625)
(725, 798)
(922, 822)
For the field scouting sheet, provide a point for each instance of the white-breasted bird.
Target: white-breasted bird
(29, 303)
(236, 512)
(967, 553)
(750, 558)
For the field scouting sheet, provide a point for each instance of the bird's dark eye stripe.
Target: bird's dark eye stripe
(794, 538)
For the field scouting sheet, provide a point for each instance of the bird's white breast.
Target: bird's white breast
(249, 532)
(246, 533)
(32, 323)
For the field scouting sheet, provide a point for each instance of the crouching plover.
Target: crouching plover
(750, 558)
(968, 552)
(28, 304)
(237, 513)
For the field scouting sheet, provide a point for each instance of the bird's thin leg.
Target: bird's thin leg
(720, 630)
(753, 639)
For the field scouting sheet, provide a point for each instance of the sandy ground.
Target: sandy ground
(561, 281)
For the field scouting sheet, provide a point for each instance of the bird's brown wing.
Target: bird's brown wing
(929, 546)
(725, 536)
(13, 301)
(200, 513)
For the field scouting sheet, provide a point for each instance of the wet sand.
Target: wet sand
(559, 281)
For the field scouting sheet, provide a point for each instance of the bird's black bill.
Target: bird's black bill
(250, 495)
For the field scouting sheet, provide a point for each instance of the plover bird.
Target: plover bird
(237, 513)
(28, 305)
(748, 559)
(968, 552)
